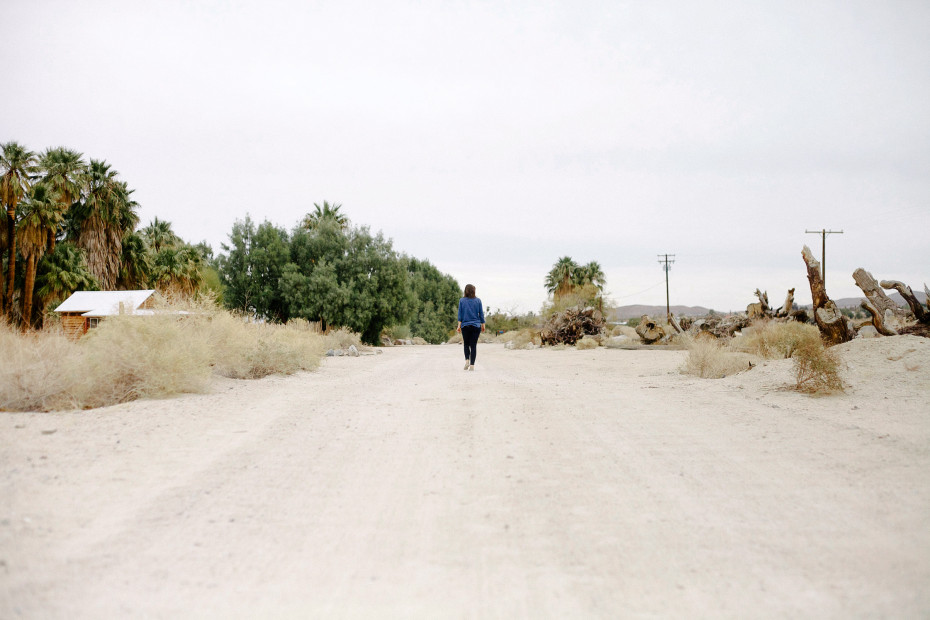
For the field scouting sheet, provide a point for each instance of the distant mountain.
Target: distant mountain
(635, 311)
(853, 302)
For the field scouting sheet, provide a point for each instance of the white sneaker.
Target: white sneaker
(467, 365)
(471, 367)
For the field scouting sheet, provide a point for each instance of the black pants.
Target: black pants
(470, 338)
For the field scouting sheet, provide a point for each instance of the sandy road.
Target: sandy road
(546, 484)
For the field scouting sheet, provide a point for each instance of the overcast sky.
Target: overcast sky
(494, 137)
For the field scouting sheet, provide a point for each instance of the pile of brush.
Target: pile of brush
(571, 325)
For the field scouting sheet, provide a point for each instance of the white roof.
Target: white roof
(103, 303)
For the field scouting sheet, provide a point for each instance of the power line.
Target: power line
(666, 263)
(659, 283)
(823, 252)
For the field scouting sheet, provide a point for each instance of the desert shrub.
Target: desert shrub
(129, 357)
(397, 332)
(303, 325)
(519, 338)
(485, 338)
(586, 295)
(508, 336)
(816, 369)
(586, 342)
(501, 321)
(170, 352)
(341, 338)
(709, 360)
(36, 370)
(248, 350)
(776, 340)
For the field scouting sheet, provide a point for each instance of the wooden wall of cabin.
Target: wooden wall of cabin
(74, 325)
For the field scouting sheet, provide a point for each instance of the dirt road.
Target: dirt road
(546, 484)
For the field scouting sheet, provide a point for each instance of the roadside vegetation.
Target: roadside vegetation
(328, 271)
(572, 313)
(501, 321)
(72, 224)
(708, 358)
(816, 367)
(776, 340)
(177, 350)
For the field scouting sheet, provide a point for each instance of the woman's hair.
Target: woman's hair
(469, 290)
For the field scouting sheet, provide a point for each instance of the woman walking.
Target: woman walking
(471, 324)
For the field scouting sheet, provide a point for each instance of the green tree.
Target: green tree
(561, 278)
(64, 171)
(159, 235)
(435, 300)
(101, 220)
(17, 165)
(326, 212)
(176, 266)
(346, 277)
(41, 215)
(571, 284)
(505, 321)
(177, 270)
(206, 251)
(252, 267)
(590, 274)
(62, 272)
(135, 266)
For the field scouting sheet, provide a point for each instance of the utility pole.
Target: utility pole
(823, 251)
(666, 261)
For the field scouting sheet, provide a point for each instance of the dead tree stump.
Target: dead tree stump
(875, 294)
(878, 319)
(834, 328)
(761, 307)
(905, 291)
(649, 331)
(571, 325)
(785, 310)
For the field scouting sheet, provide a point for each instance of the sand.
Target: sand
(546, 484)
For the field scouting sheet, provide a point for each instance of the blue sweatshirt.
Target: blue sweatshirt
(471, 312)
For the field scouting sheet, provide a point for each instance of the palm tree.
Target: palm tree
(560, 278)
(64, 170)
(176, 267)
(178, 270)
(591, 274)
(191, 274)
(40, 216)
(158, 235)
(127, 207)
(101, 221)
(326, 212)
(63, 271)
(135, 262)
(17, 165)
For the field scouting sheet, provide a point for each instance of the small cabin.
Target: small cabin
(85, 309)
